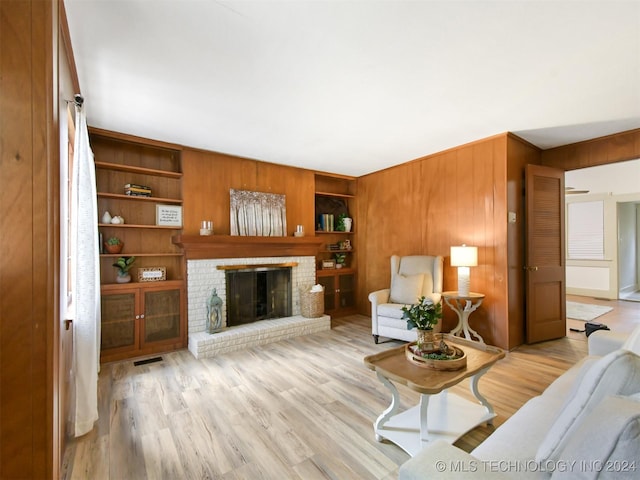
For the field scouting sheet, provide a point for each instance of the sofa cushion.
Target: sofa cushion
(606, 444)
(617, 373)
(406, 289)
(519, 437)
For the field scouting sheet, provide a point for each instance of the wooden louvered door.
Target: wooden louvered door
(545, 257)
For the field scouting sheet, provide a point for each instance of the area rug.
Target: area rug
(585, 312)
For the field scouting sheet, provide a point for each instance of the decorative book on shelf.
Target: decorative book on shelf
(133, 189)
(325, 222)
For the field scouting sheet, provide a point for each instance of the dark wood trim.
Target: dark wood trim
(231, 246)
(614, 148)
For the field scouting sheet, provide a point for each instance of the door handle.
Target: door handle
(531, 269)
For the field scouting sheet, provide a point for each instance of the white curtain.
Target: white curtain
(85, 274)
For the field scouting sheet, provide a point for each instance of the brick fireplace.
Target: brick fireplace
(208, 258)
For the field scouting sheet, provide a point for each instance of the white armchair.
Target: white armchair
(411, 277)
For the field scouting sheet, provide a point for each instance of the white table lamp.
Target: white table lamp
(464, 257)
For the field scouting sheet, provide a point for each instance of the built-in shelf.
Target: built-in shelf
(134, 254)
(120, 196)
(333, 271)
(142, 170)
(329, 194)
(110, 287)
(133, 225)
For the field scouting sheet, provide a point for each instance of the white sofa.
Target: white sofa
(585, 425)
(412, 276)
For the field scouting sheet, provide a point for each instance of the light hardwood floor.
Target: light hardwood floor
(297, 409)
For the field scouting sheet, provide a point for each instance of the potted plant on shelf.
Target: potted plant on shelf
(113, 245)
(343, 223)
(123, 264)
(341, 258)
(423, 316)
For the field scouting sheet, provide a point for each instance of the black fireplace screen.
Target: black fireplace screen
(258, 294)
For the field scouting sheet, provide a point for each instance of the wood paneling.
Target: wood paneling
(29, 192)
(428, 205)
(598, 151)
(208, 177)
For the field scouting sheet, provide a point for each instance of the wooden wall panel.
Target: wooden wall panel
(519, 154)
(29, 192)
(428, 205)
(298, 185)
(205, 188)
(208, 177)
(598, 151)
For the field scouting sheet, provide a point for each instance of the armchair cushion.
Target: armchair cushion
(406, 289)
(617, 373)
(390, 310)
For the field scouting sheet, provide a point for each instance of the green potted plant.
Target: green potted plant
(113, 245)
(123, 264)
(423, 316)
(340, 226)
(341, 258)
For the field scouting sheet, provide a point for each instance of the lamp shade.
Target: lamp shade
(464, 256)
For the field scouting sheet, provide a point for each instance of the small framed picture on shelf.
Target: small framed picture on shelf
(169, 215)
(152, 274)
(328, 264)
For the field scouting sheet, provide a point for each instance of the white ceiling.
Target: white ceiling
(356, 86)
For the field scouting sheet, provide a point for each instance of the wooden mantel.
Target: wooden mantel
(231, 246)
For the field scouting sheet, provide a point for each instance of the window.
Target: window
(585, 230)
(66, 150)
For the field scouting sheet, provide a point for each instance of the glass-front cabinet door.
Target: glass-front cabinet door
(141, 319)
(161, 316)
(347, 287)
(119, 323)
(329, 284)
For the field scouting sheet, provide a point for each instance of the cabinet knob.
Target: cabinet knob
(137, 317)
(142, 316)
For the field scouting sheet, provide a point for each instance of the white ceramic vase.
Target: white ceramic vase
(123, 278)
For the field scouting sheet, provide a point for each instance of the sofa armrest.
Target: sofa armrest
(602, 342)
(441, 460)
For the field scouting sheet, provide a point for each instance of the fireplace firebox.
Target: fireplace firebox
(258, 294)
